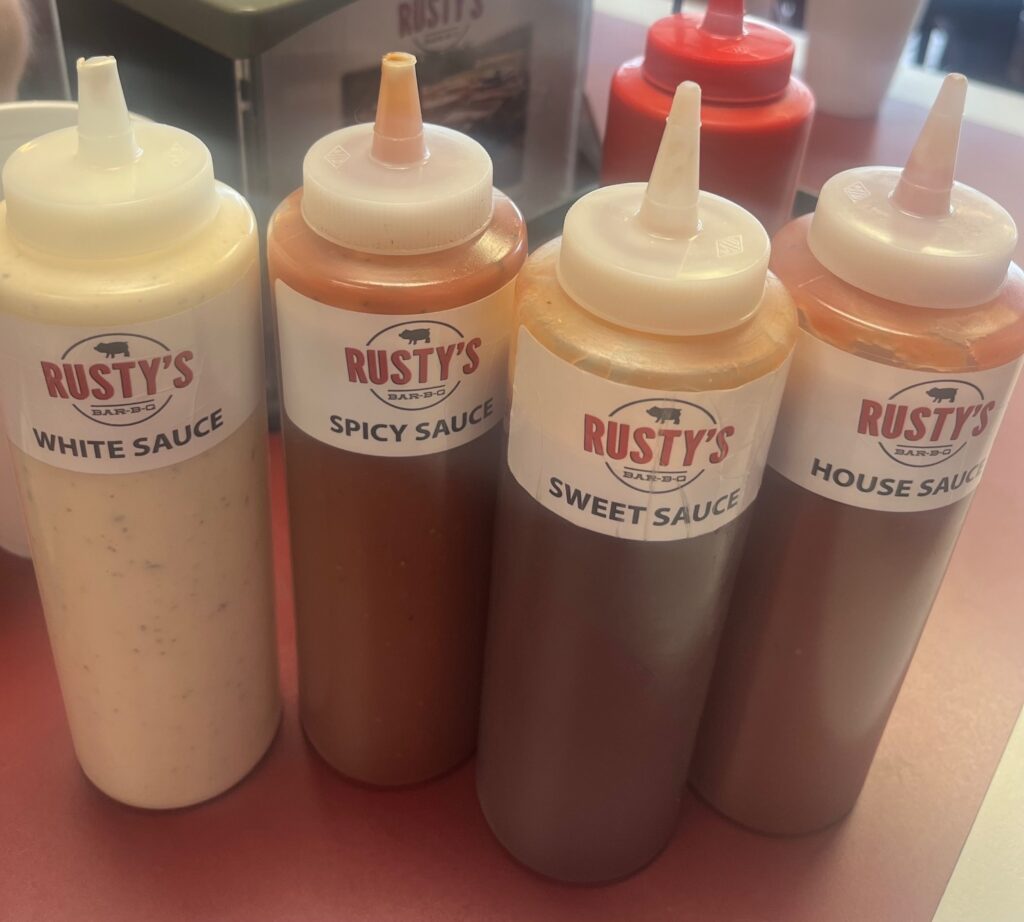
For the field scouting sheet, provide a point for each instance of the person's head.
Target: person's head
(14, 45)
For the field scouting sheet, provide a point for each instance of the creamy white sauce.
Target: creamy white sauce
(157, 585)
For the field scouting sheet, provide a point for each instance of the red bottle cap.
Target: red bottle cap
(732, 60)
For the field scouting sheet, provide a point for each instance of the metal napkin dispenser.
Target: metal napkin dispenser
(507, 72)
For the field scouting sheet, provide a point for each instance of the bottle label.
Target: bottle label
(121, 398)
(630, 462)
(394, 385)
(886, 438)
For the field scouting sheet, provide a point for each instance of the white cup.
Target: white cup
(853, 47)
(21, 122)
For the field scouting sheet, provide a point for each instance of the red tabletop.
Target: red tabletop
(295, 841)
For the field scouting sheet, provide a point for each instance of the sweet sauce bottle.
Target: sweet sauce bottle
(912, 322)
(651, 356)
(393, 270)
(755, 116)
(133, 384)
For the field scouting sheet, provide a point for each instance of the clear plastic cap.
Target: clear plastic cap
(111, 187)
(914, 235)
(397, 186)
(664, 257)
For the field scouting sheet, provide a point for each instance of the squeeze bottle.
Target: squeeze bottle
(912, 328)
(651, 353)
(392, 270)
(755, 116)
(133, 386)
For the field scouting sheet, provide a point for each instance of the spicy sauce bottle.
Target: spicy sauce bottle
(651, 355)
(755, 116)
(912, 322)
(392, 270)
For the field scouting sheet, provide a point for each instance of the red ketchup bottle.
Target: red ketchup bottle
(755, 116)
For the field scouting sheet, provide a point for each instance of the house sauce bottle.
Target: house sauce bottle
(755, 116)
(912, 322)
(649, 366)
(392, 270)
(132, 377)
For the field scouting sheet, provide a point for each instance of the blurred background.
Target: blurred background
(260, 81)
(979, 38)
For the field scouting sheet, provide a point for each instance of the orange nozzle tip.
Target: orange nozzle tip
(398, 129)
(724, 18)
(926, 181)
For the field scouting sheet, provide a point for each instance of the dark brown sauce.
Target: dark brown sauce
(599, 653)
(831, 599)
(829, 605)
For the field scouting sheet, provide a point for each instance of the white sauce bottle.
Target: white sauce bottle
(132, 379)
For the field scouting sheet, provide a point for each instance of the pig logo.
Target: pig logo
(415, 336)
(665, 414)
(113, 349)
(647, 458)
(414, 379)
(941, 394)
(925, 424)
(122, 393)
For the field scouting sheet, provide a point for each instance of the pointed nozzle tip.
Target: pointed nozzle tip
(105, 135)
(397, 59)
(100, 62)
(926, 180)
(398, 129)
(685, 108)
(670, 201)
(952, 96)
(724, 18)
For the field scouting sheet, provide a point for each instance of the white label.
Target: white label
(128, 397)
(394, 385)
(886, 438)
(632, 462)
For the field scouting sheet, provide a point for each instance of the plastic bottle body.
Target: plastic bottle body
(750, 153)
(391, 555)
(13, 539)
(157, 584)
(599, 648)
(831, 598)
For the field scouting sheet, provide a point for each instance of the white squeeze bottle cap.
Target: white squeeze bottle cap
(397, 186)
(664, 257)
(914, 235)
(112, 187)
